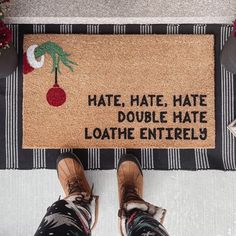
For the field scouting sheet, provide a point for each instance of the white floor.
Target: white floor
(122, 11)
(198, 203)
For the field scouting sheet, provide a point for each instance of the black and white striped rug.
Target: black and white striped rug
(223, 157)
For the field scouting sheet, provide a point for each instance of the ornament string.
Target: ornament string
(56, 75)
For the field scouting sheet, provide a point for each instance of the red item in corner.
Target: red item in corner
(235, 28)
(5, 35)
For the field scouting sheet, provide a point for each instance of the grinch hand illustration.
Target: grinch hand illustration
(34, 58)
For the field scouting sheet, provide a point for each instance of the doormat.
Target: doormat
(125, 91)
(222, 157)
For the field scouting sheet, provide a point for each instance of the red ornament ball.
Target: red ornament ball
(56, 96)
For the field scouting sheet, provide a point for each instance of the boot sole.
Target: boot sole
(67, 155)
(129, 157)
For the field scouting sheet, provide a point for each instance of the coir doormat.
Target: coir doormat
(119, 91)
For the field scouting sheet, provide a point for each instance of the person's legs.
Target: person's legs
(138, 218)
(62, 219)
(72, 215)
(142, 223)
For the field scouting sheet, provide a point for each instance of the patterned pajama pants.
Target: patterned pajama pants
(73, 218)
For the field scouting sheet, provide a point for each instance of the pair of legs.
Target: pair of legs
(76, 214)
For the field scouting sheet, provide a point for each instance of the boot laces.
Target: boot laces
(130, 194)
(74, 186)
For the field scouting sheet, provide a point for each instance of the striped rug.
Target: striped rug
(223, 157)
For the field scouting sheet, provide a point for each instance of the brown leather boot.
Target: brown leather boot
(75, 185)
(71, 175)
(130, 188)
(130, 180)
